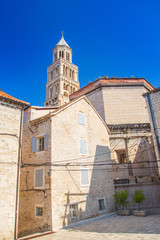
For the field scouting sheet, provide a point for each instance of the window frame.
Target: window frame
(39, 206)
(39, 144)
(73, 217)
(104, 199)
(118, 156)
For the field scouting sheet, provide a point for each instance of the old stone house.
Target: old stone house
(153, 105)
(11, 115)
(66, 174)
(120, 103)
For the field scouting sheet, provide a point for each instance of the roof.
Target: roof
(60, 109)
(112, 82)
(62, 42)
(153, 91)
(15, 100)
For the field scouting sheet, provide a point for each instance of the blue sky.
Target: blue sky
(112, 37)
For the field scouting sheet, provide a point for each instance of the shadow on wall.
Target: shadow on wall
(93, 194)
(141, 163)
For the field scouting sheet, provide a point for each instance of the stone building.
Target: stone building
(11, 115)
(66, 174)
(62, 76)
(153, 105)
(120, 103)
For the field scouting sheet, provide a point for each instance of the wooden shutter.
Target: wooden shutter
(84, 177)
(45, 141)
(34, 144)
(82, 118)
(39, 178)
(83, 146)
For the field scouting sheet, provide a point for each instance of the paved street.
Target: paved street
(110, 227)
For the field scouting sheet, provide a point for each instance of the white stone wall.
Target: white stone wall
(62, 184)
(9, 145)
(66, 181)
(120, 105)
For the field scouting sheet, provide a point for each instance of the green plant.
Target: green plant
(138, 197)
(121, 199)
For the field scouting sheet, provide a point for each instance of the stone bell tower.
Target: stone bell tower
(62, 76)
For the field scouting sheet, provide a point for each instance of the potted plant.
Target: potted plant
(121, 202)
(138, 198)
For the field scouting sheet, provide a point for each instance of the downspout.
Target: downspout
(154, 123)
(18, 177)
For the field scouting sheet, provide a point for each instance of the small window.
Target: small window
(73, 210)
(121, 156)
(41, 144)
(83, 147)
(82, 118)
(39, 211)
(84, 177)
(101, 204)
(39, 178)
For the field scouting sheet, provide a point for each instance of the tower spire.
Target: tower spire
(62, 33)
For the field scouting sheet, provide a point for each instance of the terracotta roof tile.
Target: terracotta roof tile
(7, 96)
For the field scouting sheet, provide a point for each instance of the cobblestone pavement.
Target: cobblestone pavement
(111, 227)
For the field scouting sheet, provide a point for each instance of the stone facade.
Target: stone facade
(77, 175)
(121, 104)
(153, 105)
(62, 76)
(11, 111)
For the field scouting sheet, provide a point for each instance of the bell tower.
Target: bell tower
(62, 76)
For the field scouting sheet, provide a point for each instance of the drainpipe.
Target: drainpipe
(18, 177)
(154, 123)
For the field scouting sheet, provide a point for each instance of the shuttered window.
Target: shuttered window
(38, 178)
(82, 118)
(84, 177)
(40, 143)
(83, 146)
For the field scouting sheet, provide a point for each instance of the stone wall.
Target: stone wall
(66, 179)
(30, 197)
(62, 180)
(9, 141)
(120, 104)
(155, 105)
(151, 193)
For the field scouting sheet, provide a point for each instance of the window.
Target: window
(40, 143)
(73, 210)
(121, 156)
(83, 147)
(101, 205)
(38, 178)
(84, 177)
(39, 211)
(82, 118)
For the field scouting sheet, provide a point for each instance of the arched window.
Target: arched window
(62, 54)
(64, 70)
(50, 92)
(70, 73)
(55, 56)
(64, 86)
